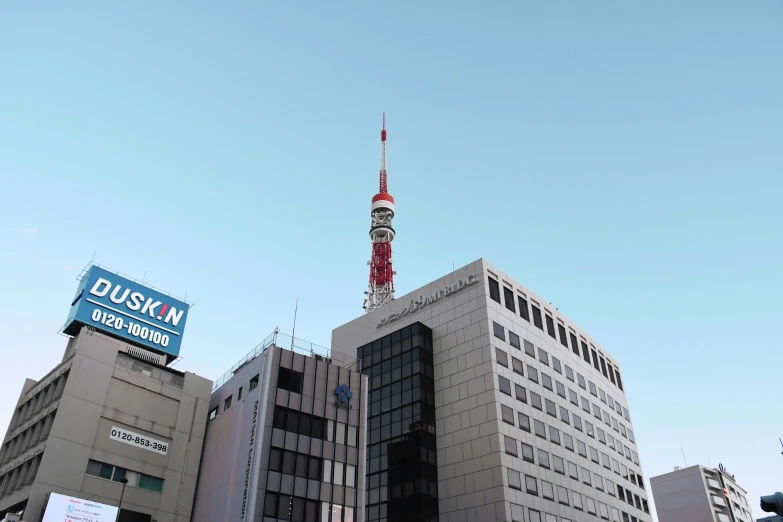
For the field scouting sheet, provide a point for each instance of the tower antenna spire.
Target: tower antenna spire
(381, 287)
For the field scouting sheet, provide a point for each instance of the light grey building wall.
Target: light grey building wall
(509, 448)
(773, 518)
(60, 438)
(699, 494)
(277, 445)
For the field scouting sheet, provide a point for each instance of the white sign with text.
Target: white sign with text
(140, 441)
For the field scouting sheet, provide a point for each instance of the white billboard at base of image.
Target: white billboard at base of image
(63, 508)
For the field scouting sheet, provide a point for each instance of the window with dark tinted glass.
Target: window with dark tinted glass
(568, 440)
(577, 421)
(531, 485)
(560, 389)
(593, 389)
(562, 333)
(513, 339)
(543, 356)
(551, 407)
(290, 380)
(573, 397)
(510, 445)
(504, 385)
(556, 365)
(520, 393)
(595, 360)
(530, 349)
(569, 373)
(539, 428)
(499, 331)
(527, 452)
(574, 345)
(514, 480)
(517, 365)
(532, 374)
(543, 458)
(501, 357)
(554, 434)
(619, 381)
(564, 415)
(581, 380)
(537, 317)
(603, 366)
(523, 312)
(546, 380)
(535, 401)
(508, 297)
(585, 352)
(507, 414)
(524, 421)
(550, 326)
(494, 290)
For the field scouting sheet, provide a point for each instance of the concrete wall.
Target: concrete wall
(100, 394)
(681, 496)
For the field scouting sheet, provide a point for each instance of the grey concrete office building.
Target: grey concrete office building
(285, 438)
(107, 411)
(700, 494)
(528, 413)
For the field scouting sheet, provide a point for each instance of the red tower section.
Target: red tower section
(381, 288)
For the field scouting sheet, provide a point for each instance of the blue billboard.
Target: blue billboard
(127, 309)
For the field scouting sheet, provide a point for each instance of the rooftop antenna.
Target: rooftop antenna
(293, 331)
(683, 456)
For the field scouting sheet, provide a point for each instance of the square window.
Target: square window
(514, 480)
(535, 401)
(517, 365)
(546, 381)
(504, 385)
(529, 348)
(531, 485)
(527, 452)
(501, 357)
(543, 356)
(524, 421)
(507, 414)
(513, 339)
(520, 393)
(540, 428)
(551, 408)
(499, 331)
(532, 374)
(543, 458)
(510, 444)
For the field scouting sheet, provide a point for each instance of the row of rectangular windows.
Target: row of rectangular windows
(213, 413)
(534, 515)
(33, 405)
(298, 509)
(550, 384)
(543, 356)
(20, 476)
(314, 468)
(316, 427)
(600, 362)
(569, 497)
(559, 465)
(116, 474)
(30, 437)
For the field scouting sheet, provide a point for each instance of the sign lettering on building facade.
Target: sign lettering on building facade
(422, 300)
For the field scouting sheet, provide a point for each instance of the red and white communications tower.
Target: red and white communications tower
(381, 288)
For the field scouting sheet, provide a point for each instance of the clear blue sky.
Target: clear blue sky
(623, 160)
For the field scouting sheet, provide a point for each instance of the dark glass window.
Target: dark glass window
(514, 480)
(520, 392)
(523, 312)
(531, 485)
(508, 297)
(595, 360)
(568, 440)
(581, 448)
(551, 408)
(507, 414)
(513, 339)
(546, 380)
(510, 445)
(577, 421)
(539, 428)
(569, 373)
(517, 365)
(558, 464)
(560, 389)
(550, 327)
(603, 366)
(499, 331)
(537, 317)
(556, 365)
(573, 397)
(535, 401)
(532, 374)
(574, 345)
(501, 357)
(254, 383)
(593, 389)
(581, 381)
(585, 352)
(619, 381)
(554, 434)
(275, 459)
(611, 374)
(543, 458)
(562, 333)
(564, 415)
(524, 421)
(227, 402)
(527, 452)
(504, 385)
(543, 356)
(585, 405)
(494, 290)
(530, 349)
(594, 455)
(290, 380)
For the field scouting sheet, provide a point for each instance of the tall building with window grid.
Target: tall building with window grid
(285, 437)
(526, 413)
